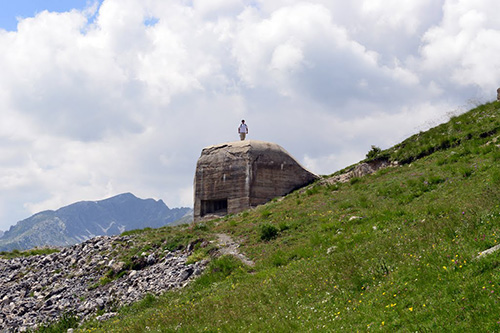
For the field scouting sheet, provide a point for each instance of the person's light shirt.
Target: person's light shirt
(243, 128)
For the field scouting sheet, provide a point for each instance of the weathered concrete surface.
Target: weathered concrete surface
(235, 176)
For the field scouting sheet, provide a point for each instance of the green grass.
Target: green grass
(67, 321)
(406, 262)
(27, 253)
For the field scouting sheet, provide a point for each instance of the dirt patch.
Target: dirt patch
(228, 246)
(359, 170)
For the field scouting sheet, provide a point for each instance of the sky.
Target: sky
(99, 98)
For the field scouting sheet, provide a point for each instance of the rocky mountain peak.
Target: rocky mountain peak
(83, 220)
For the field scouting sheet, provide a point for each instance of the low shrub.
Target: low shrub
(373, 153)
(268, 232)
(265, 214)
(67, 321)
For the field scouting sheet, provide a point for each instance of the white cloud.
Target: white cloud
(215, 9)
(123, 97)
(395, 14)
(464, 47)
(287, 57)
(299, 50)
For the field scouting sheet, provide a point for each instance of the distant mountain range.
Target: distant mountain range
(86, 219)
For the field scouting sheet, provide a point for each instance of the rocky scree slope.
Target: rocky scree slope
(85, 279)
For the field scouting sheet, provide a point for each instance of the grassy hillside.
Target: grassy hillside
(391, 251)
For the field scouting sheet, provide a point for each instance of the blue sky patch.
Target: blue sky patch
(10, 11)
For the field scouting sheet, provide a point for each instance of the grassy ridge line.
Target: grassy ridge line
(391, 251)
(27, 253)
(481, 122)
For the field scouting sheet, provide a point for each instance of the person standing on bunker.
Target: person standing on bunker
(243, 130)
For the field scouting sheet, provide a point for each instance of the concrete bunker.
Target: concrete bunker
(235, 176)
(218, 206)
